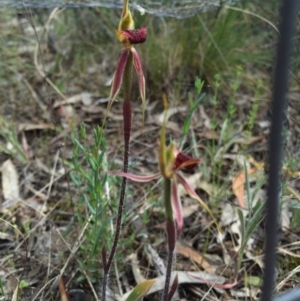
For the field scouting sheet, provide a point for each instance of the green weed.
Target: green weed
(11, 145)
(96, 204)
(205, 45)
(3, 295)
(255, 215)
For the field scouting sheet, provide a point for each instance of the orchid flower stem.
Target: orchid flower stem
(127, 78)
(171, 233)
(127, 115)
(167, 198)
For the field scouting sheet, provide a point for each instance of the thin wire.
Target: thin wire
(288, 16)
(162, 8)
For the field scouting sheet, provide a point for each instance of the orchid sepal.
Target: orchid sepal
(117, 80)
(142, 86)
(184, 161)
(177, 207)
(119, 74)
(126, 22)
(192, 193)
(135, 178)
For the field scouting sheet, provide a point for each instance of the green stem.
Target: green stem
(167, 198)
(127, 115)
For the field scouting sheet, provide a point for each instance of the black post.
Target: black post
(288, 16)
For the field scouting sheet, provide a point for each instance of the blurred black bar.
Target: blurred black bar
(286, 30)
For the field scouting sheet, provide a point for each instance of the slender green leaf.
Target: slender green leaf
(141, 290)
(254, 220)
(242, 221)
(92, 210)
(249, 199)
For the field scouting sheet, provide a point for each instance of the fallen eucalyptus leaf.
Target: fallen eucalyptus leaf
(10, 184)
(183, 277)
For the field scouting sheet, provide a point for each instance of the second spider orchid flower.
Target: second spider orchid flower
(171, 162)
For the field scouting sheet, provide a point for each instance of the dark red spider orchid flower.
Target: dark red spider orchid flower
(128, 57)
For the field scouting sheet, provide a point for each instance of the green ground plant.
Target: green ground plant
(253, 111)
(204, 45)
(2, 290)
(225, 131)
(255, 215)
(88, 174)
(10, 144)
(194, 105)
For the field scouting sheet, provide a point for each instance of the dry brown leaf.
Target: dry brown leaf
(183, 277)
(156, 260)
(195, 256)
(10, 184)
(15, 296)
(171, 111)
(138, 276)
(287, 252)
(67, 115)
(86, 98)
(11, 286)
(228, 214)
(189, 210)
(26, 147)
(193, 181)
(285, 214)
(246, 293)
(205, 118)
(34, 126)
(71, 100)
(238, 185)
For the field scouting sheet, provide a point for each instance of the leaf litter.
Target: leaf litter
(36, 196)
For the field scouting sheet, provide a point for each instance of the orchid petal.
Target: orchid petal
(190, 164)
(135, 36)
(191, 192)
(117, 80)
(139, 70)
(135, 178)
(177, 207)
(184, 161)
